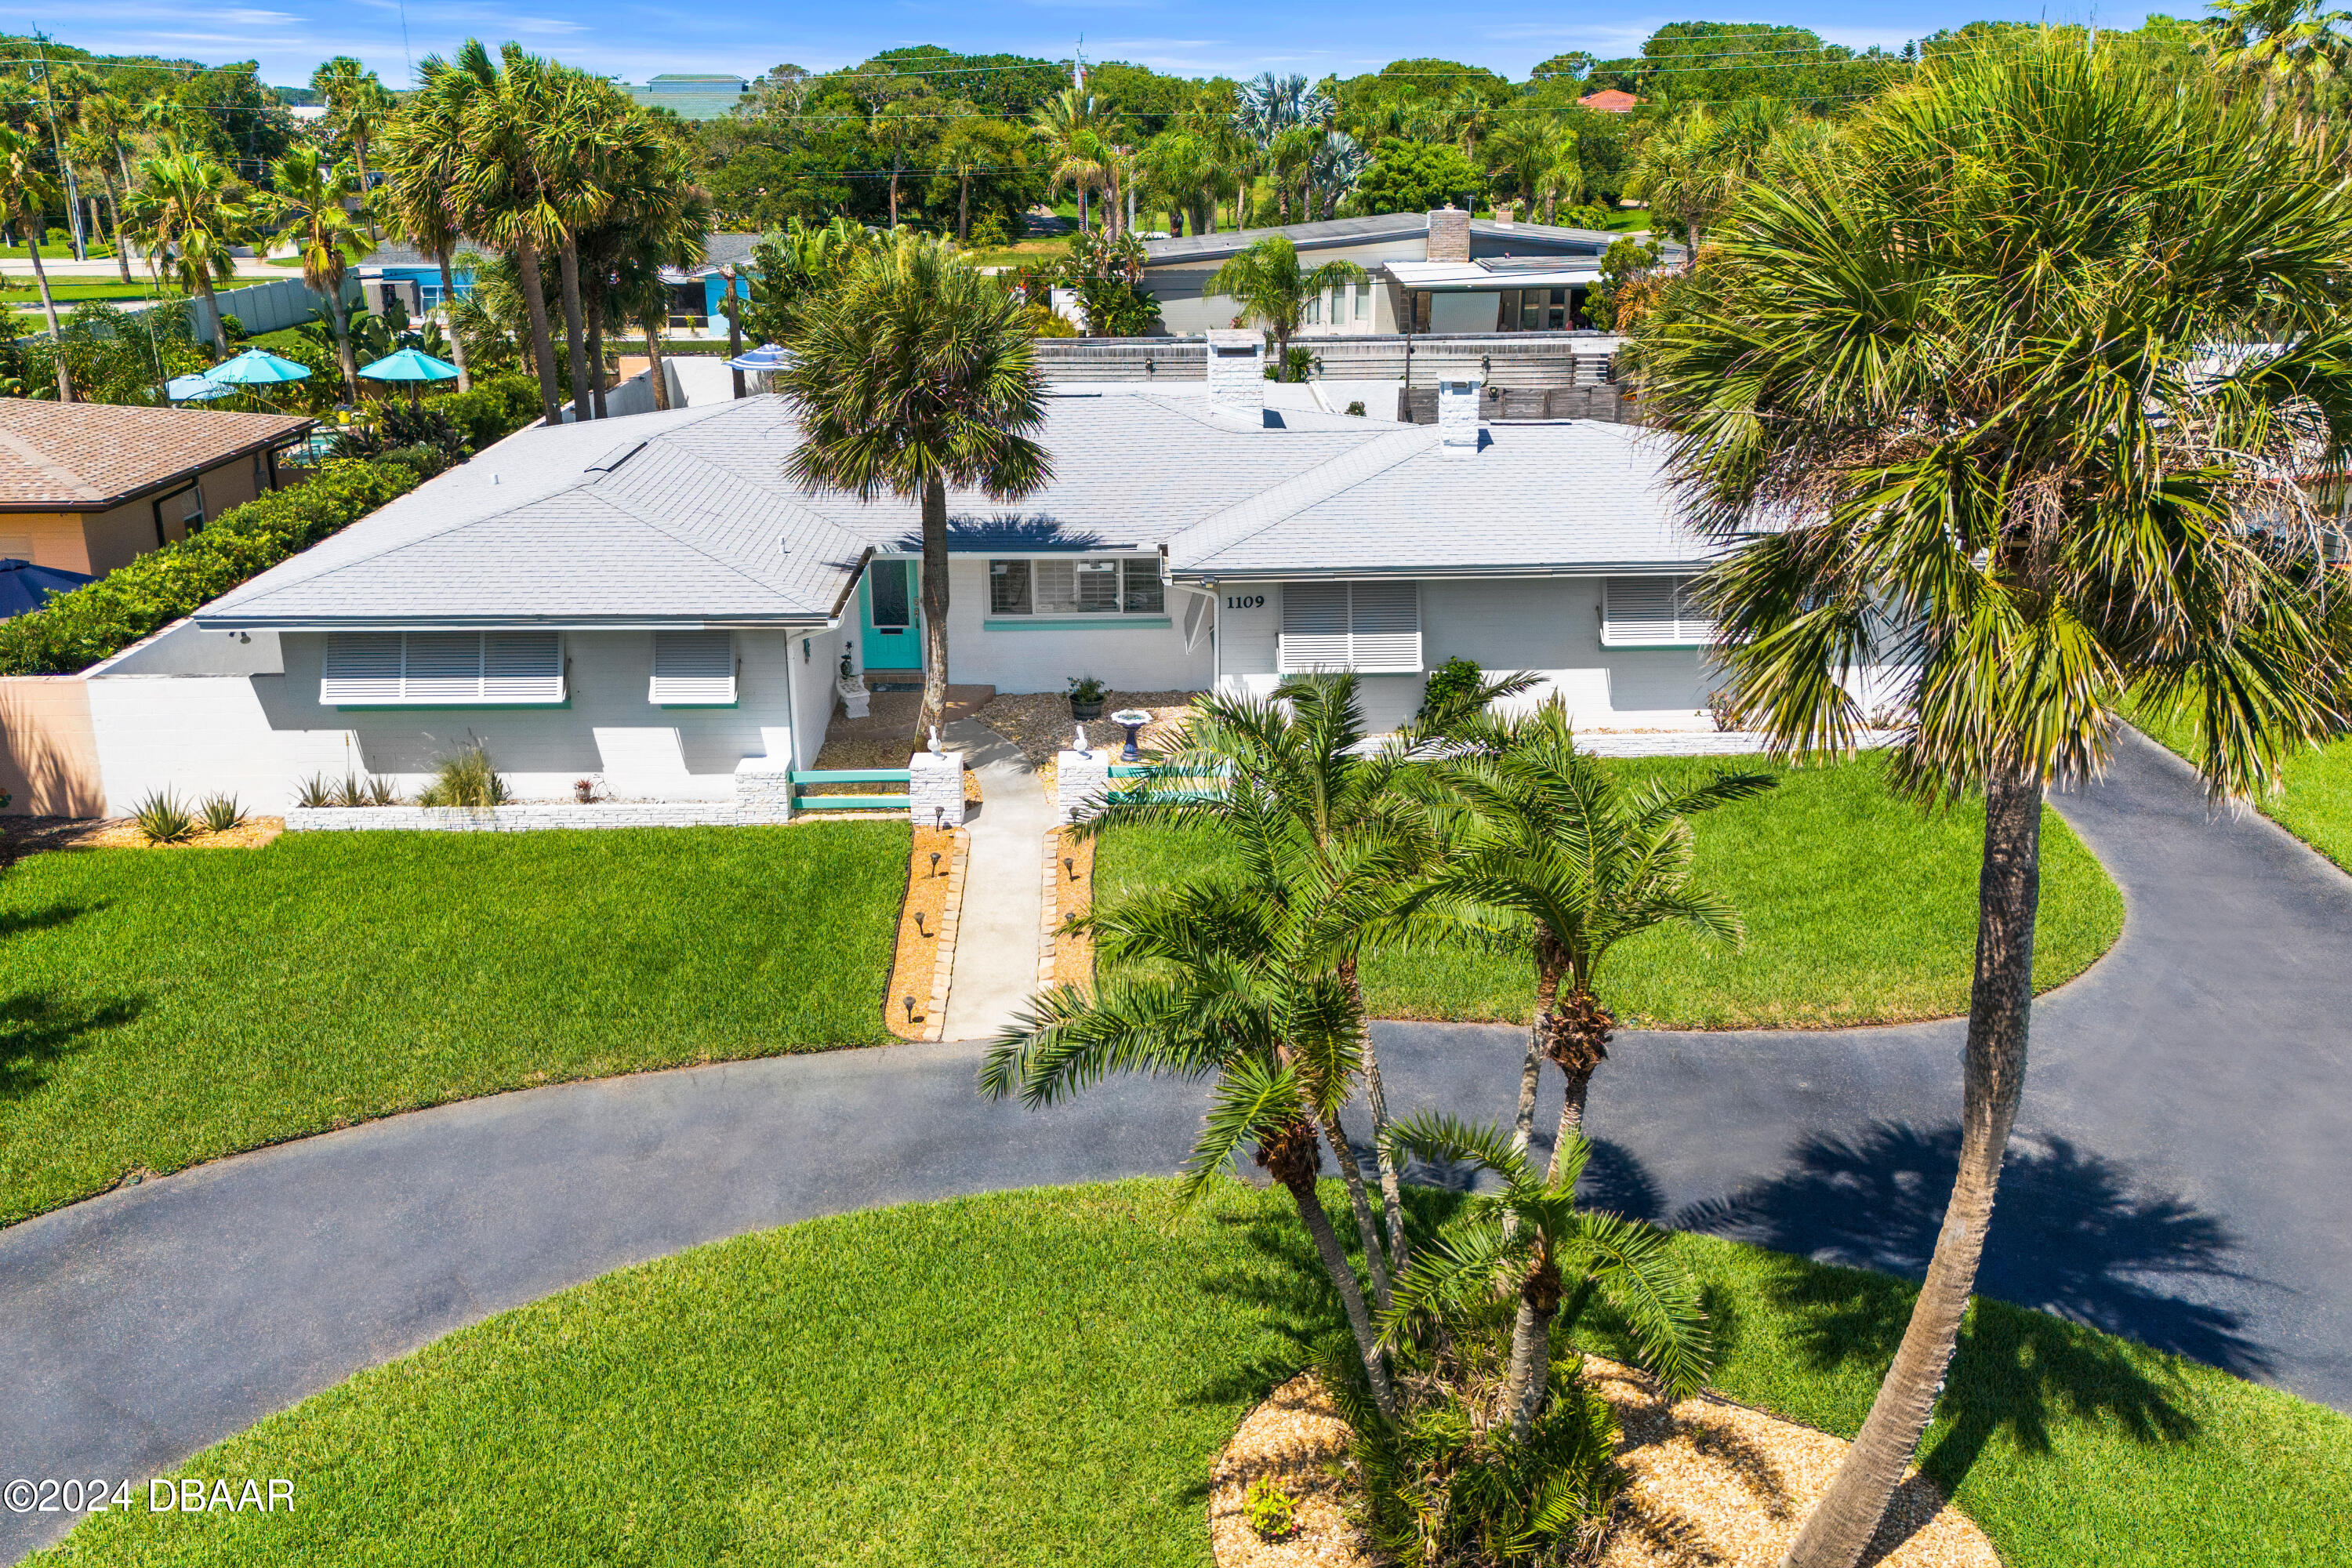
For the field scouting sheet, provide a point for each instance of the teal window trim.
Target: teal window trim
(1081, 623)
(1652, 645)
(451, 706)
(675, 707)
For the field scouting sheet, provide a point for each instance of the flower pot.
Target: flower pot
(1082, 711)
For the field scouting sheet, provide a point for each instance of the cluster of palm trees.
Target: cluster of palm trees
(1482, 828)
(556, 170)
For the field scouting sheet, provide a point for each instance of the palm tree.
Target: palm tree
(1528, 151)
(963, 150)
(1268, 284)
(308, 203)
(900, 126)
(25, 192)
(357, 109)
(1528, 1229)
(1242, 985)
(1178, 169)
(108, 119)
(2025, 372)
(188, 204)
(1680, 173)
(671, 232)
(912, 374)
(1068, 124)
(494, 109)
(421, 198)
(2292, 48)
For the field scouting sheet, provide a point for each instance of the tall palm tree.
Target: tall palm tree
(912, 374)
(1236, 977)
(963, 150)
(1178, 168)
(2291, 48)
(670, 230)
(421, 199)
(495, 107)
(358, 107)
(1266, 282)
(188, 204)
(2018, 381)
(25, 192)
(1070, 126)
(1530, 1230)
(307, 203)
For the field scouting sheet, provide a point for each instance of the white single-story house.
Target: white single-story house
(649, 602)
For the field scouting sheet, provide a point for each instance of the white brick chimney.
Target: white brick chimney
(1237, 372)
(1457, 416)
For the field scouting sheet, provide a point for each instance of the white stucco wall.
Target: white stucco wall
(1018, 659)
(258, 733)
(1550, 625)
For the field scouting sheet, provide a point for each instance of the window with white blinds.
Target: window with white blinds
(693, 669)
(1373, 628)
(442, 669)
(1653, 612)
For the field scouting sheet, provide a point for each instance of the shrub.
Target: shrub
(494, 410)
(234, 329)
(222, 813)
(1088, 688)
(394, 426)
(989, 232)
(1357, 407)
(466, 778)
(1450, 686)
(162, 819)
(1272, 1512)
(77, 629)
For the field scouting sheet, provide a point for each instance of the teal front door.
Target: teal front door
(890, 634)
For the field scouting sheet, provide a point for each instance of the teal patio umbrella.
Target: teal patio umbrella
(257, 367)
(412, 365)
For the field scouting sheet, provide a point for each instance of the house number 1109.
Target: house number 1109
(1246, 601)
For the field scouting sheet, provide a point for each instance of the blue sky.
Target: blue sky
(634, 41)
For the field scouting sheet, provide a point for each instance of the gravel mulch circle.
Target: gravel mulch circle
(885, 737)
(31, 835)
(1039, 722)
(1713, 1485)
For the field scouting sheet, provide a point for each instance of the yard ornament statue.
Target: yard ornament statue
(1078, 741)
(935, 740)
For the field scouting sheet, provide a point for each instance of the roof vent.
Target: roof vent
(1236, 372)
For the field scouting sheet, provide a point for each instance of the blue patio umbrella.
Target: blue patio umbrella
(412, 365)
(258, 367)
(195, 389)
(767, 357)
(24, 586)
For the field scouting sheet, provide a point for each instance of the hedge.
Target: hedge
(76, 629)
(494, 410)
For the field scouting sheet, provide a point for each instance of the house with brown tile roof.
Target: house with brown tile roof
(85, 486)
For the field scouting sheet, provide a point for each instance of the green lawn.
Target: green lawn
(1044, 1378)
(1860, 909)
(160, 1007)
(2315, 798)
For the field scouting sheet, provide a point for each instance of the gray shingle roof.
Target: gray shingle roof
(1365, 231)
(687, 517)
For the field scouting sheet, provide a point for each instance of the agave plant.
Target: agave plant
(222, 813)
(381, 791)
(350, 792)
(314, 791)
(162, 819)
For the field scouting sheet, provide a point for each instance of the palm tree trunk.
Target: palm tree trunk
(121, 245)
(652, 353)
(567, 269)
(1530, 1075)
(542, 342)
(935, 606)
(32, 227)
(1376, 1099)
(212, 302)
(449, 303)
(963, 212)
(1351, 1294)
(596, 350)
(337, 313)
(367, 208)
(2001, 1007)
(1368, 1229)
(1529, 1373)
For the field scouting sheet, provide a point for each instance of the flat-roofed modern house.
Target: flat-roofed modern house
(1441, 271)
(650, 601)
(707, 95)
(85, 487)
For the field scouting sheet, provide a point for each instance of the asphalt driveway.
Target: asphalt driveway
(2179, 1175)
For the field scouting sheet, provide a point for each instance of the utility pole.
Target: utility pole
(73, 196)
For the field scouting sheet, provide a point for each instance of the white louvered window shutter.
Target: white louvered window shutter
(443, 667)
(1385, 624)
(1314, 627)
(361, 667)
(1638, 612)
(1693, 623)
(693, 669)
(522, 667)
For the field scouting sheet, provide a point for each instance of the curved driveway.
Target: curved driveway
(2180, 1174)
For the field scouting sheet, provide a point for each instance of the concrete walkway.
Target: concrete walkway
(1004, 902)
(2179, 1175)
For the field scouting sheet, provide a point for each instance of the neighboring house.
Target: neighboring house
(85, 486)
(1611, 101)
(400, 270)
(650, 601)
(1442, 271)
(696, 292)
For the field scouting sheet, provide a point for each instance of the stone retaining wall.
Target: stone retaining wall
(519, 819)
